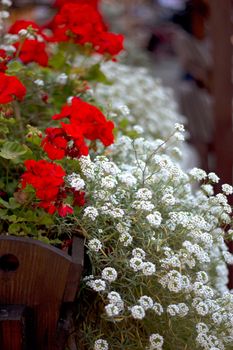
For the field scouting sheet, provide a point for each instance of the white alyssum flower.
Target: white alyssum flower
(168, 199)
(8, 48)
(62, 79)
(109, 274)
(97, 285)
(115, 299)
(137, 312)
(146, 302)
(179, 127)
(91, 213)
(198, 174)
(154, 219)
(101, 344)
(126, 239)
(138, 253)
(158, 309)
(109, 182)
(95, 245)
(136, 264)
(39, 82)
(156, 341)
(148, 268)
(76, 181)
(7, 3)
(22, 32)
(112, 310)
(143, 194)
(227, 189)
(138, 129)
(213, 177)
(4, 14)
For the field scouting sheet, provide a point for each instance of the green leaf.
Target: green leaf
(13, 150)
(14, 228)
(58, 61)
(14, 67)
(4, 129)
(4, 203)
(95, 74)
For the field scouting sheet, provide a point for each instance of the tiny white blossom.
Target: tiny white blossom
(4, 14)
(22, 32)
(198, 174)
(213, 177)
(101, 344)
(39, 82)
(97, 285)
(138, 129)
(94, 244)
(7, 3)
(158, 309)
(136, 264)
(76, 181)
(91, 213)
(227, 189)
(138, 253)
(179, 127)
(137, 312)
(146, 302)
(154, 219)
(156, 341)
(69, 100)
(112, 310)
(144, 194)
(62, 78)
(126, 239)
(148, 268)
(109, 274)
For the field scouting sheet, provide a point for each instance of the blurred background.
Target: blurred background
(188, 45)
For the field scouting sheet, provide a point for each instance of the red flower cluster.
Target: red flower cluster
(60, 3)
(10, 88)
(86, 122)
(83, 23)
(31, 50)
(48, 181)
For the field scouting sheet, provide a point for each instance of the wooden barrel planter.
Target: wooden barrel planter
(37, 281)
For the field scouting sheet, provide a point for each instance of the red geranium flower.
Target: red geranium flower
(80, 21)
(22, 24)
(109, 43)
(55, 143)
(10, 88)
(48, 181)
(33, 51)
(89, 119)
(60, 3)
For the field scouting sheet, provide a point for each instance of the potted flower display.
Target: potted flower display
(76, 171)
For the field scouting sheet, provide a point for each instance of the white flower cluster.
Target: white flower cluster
(154, 259)
(143, 95)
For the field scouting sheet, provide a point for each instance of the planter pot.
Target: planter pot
(36, 280)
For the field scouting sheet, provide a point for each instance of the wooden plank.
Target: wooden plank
(222, 87)
(39, 282)
(13, 327)
(75, 270)
(221, 28)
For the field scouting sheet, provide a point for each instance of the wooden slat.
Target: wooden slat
(75, 270)
(13, 328)
(39, 281)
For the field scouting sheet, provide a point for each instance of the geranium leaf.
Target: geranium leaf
(13, 150)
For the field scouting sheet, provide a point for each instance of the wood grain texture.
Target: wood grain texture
(40, 281)
(12, 327)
